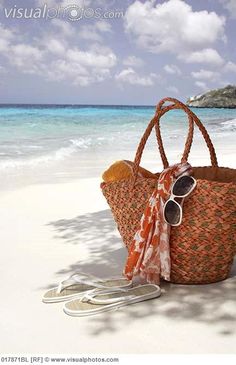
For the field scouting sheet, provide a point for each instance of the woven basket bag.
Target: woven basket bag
(202, 248)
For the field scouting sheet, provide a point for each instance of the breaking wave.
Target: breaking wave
(229, 125)
(60, 154)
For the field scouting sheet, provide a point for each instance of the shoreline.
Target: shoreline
(50, 176)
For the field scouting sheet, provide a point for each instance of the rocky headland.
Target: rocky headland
(219, 98)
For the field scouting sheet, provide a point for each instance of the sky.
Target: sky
(114, 51)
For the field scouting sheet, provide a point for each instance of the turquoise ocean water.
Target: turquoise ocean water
(41, 143)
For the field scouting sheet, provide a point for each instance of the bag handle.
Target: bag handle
(155, 121)
(159, 138)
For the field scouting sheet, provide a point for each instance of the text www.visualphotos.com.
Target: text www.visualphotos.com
(70, 12)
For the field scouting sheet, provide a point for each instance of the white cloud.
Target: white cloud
(6, 33)
(54, 59)
(90, 33)
(94, 32)
(133, 61)
(207, 56)
(202, 85)
(55, 46)
(230, 5)
(2, 69)
(172, 69)
(172, 27)
(173, 89)
(25, 57)
(7, 36)
(205, 75)
(103, 26)
(130, 76)
(69, 67)
(4, 43)
(230, 67)
(83, 67)
(92, 58)
(63, 27)
(61, 69)
(22, 56)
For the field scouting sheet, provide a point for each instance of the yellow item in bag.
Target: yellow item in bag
(123, 170)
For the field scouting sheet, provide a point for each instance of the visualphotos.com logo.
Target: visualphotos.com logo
(71, 12)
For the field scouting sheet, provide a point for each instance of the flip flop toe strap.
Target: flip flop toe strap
(80, 278)
(92, 297)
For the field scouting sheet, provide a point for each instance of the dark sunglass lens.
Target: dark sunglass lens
(172, 212)
(183, 185)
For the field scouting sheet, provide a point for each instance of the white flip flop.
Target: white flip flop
(78, 284)
(98, 301)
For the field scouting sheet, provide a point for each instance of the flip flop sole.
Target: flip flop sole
(89, 309)
(78, 290)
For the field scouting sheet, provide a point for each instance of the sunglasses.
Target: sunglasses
(182, 187)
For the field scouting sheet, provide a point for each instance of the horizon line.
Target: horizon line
(75, 104)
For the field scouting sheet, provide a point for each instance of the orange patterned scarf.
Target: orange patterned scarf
(149, 254)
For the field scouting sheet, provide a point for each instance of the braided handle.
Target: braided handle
(159, 138)
(155, 121)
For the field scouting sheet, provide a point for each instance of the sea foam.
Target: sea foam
(58, 155)
(229, 125)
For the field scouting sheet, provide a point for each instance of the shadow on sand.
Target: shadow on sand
(213, 304)
(97, 231)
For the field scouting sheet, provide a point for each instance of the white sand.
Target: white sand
(47, 232)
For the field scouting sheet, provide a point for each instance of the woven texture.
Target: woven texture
(202, 248)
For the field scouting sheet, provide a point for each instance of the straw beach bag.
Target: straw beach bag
(202, 248)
